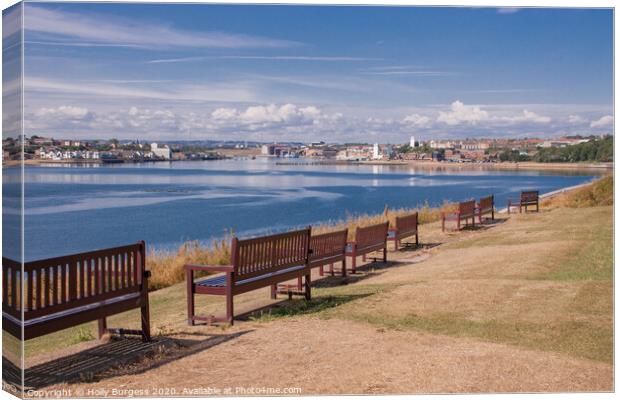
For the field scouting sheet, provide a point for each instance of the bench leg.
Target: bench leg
(344, 267)
(189, 278)
(321, 271)
(353, 262)
(274, 291)
(146, 322)
(363, 257)
(385, 253)
(299, 284)
(443, 224)
(331, 269)
(103, 327)
(307, 293)
(229, 309)
(493, 215)
(417, 240)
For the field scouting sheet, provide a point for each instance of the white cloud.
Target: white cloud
(576, 119)
(417, 120)
(75, 28)
(528, 116)
(604, 121)
(262, 116)
(461, 113)
(64, 112)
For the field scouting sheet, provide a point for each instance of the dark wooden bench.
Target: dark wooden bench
(255, 263)
(368, 240)
(486, 205)
(66, 291)
(404, 227)
(527, 199)
(325, 249)
(465, 211)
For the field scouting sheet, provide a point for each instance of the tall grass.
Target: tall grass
(599, 193)
(167, 265)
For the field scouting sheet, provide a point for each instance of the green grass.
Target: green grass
(573, 338)
(591, 255)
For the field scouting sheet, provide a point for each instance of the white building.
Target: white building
(412, 141)
(375, 152)
(161, 152)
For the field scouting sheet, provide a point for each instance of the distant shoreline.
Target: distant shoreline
(409, 163)
(499, 165)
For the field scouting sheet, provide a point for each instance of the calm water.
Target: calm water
(80, 208)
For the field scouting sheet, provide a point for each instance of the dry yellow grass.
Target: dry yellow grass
(599, 193)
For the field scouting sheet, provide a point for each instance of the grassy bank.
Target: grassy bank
(167, 266)
(537, 281)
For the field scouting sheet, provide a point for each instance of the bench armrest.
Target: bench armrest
(210, 268)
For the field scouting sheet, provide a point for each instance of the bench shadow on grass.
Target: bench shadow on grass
(290, 308)
(124, 356)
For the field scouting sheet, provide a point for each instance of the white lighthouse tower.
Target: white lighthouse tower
(412, 141)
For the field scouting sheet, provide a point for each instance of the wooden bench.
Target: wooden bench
(255, 263)
(466, 210)
(368, 240)
(405, 226)
(486, 205)
(66, 291)
(326, 249)
(527, 199)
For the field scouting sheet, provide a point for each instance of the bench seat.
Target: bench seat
(71, 311)
(220, 281)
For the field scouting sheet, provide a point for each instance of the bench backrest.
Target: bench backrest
(62, 283)
(530, 197)
(328, 246)
(486, 203)
(372, 236)
(267, 254)
(467, 208)
(407, 224)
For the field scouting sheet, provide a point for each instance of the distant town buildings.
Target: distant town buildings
(448, 150)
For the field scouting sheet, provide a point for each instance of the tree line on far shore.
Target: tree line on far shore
(601, 150)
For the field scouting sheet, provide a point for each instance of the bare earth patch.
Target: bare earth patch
(339, 357)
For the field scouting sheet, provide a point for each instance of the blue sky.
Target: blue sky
(156, 71)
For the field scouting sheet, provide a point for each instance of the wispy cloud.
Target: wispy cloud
(508, 10)
(415, 73)
(81, 29)
(240, 92)
(250, 57)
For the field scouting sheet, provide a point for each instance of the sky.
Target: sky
(305, 73)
